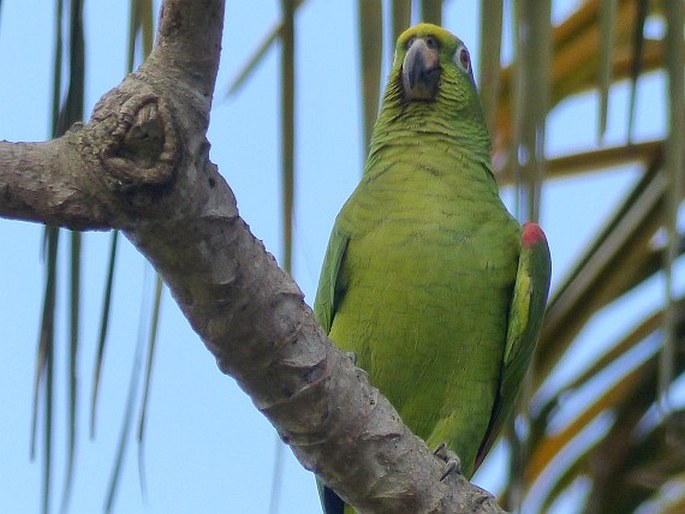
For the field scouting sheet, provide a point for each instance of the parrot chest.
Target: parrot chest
(425, 291)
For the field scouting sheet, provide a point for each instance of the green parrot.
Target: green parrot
(428, 280)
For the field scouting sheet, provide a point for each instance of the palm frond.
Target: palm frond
(371, 51)
(636, 65)
(257, 56)
(140, 26)
(604, 444)
(43, 385)
(288, 128)
(65, 112)
(607, 24)
(401, 17)
(127, 420)
(616, 458)
(674, 161)
(605, 270)
(574, 64)
(151, 344)
(431, 11)
(532, 81)
(74, 324)
(491, 14)
(72, 112)
(104, 326)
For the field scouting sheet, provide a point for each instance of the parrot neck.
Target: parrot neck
(465, 135)
(444, 137)
(430, 142)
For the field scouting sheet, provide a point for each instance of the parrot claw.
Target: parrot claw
(451, 459)
(452, 466)
(353, 359)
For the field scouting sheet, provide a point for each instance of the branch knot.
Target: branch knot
(143, 146)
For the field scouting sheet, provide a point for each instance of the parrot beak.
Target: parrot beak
(421, 70)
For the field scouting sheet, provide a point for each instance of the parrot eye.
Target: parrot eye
(462, 59)
(431, 42)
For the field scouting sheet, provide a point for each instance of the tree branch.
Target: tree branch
(141, 165)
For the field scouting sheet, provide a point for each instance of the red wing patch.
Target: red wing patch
(532, 233)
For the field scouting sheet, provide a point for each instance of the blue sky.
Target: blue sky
(207, 448)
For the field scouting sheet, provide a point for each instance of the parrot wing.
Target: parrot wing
(328, 293)
(525, 321)
(327, 296)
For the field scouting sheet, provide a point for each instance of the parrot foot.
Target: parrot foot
(353, 359)
(451, 459)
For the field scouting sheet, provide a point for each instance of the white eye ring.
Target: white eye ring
(462, 59)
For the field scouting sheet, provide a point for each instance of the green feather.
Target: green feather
(424, 278)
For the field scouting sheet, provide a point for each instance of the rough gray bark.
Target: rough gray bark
(141, 165)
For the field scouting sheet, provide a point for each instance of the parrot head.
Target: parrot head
(431, 89)
(432, 64)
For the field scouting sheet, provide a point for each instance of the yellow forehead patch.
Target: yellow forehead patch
(445, 37)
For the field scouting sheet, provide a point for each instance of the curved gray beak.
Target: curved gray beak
(420, 71)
